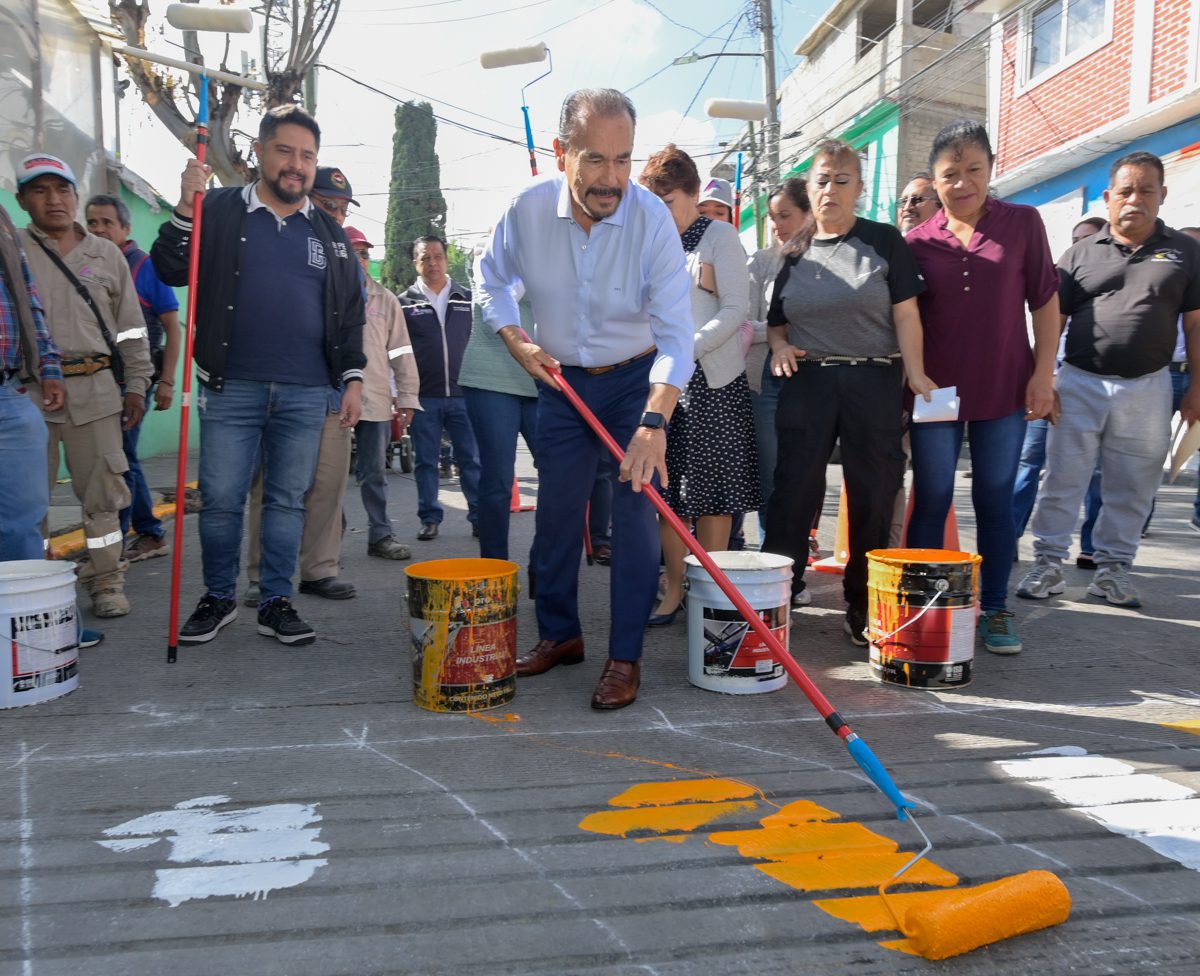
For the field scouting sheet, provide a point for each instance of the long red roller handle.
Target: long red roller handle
(858, 748)
(185, 401)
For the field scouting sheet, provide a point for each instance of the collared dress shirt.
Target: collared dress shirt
(440, 300)
(598, 298)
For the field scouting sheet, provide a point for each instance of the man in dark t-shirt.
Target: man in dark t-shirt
(1124, 290)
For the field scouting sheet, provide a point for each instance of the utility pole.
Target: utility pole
(761, 17)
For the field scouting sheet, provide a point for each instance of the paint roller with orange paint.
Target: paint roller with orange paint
(1004, 909)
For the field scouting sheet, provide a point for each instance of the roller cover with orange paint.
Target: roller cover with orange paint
(1010, 907)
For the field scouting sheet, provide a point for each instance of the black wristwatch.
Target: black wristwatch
(655, 421)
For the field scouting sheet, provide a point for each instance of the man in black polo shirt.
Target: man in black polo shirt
(1124, 290)
(279, 322)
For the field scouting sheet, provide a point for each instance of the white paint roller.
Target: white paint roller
(223, 20)
(530, 54)
(733, 108)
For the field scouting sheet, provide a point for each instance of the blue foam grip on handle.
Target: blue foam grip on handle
(202, 112)
(862, 754)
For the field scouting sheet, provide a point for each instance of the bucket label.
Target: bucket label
(44, 648)
(733, 650)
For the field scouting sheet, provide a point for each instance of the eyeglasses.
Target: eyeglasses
(333, 206)
(913, 201)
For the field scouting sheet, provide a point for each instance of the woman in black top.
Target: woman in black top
(843, 319)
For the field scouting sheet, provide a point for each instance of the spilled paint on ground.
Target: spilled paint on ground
(1153, 810)
(674, 807)
(682, 791)
(1191, 726)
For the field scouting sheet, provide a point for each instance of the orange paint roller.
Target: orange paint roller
(992, 912)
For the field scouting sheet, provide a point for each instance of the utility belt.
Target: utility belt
(1179, 367)
(598, 370)
(849, 360)
(86, 365)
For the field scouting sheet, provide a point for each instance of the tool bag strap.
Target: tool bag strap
(118, 364)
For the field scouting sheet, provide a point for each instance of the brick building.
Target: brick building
(1074, 84)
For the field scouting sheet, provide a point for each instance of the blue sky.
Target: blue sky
(430, 49)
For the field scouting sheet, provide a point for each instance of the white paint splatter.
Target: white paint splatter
(1155, 811)
(246, 852)
(1059, 751)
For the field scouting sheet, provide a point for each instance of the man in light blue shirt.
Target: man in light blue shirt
(603, 271)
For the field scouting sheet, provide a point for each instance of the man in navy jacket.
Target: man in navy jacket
(279, 321)
(437, 311)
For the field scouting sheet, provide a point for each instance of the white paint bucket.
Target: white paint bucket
(39, 631)
(724, 654)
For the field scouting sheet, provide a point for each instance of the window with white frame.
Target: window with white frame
(1059, 29)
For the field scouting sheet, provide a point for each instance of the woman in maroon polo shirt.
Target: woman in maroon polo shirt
(983, 261)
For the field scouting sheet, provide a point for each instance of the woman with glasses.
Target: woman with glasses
(984, 261)
(843, 328)
(711, 461)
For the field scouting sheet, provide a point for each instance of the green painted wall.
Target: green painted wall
(160, 430)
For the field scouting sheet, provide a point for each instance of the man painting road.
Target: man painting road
(603, 270)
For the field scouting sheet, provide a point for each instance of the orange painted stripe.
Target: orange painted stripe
(67, 544)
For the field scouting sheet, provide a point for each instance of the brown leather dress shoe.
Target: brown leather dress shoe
(618, 685)
(547, 654)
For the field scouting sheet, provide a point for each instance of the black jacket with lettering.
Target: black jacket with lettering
(220, 258)
(438, 347)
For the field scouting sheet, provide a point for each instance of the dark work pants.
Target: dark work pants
(568, 453)
(861, 405)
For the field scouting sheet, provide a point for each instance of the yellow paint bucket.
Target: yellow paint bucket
(921, 606)
(463, 620)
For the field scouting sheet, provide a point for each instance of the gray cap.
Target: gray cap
(718, 190)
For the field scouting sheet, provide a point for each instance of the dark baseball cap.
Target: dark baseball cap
(332, 182)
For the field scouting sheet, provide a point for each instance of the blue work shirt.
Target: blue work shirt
(599, 298)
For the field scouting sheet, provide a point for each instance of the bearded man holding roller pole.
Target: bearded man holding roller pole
(603, 270)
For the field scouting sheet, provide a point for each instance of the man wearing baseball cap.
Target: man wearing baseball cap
(94, 318)
(389, 355)
(332, 193)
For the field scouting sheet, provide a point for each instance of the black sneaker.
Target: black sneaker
(855, 625)
(211, 614)
(279, 619)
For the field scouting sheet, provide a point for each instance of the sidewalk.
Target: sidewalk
(261, 810)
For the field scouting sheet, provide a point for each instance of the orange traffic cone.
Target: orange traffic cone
(515, 504)
(841, 542)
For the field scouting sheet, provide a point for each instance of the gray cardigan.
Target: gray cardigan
(719, 317)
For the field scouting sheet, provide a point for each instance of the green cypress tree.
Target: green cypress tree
(415, 203)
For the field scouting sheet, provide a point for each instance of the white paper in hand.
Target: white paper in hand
(943, 405)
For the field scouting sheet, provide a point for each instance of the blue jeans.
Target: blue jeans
(1179, 386)
(141, 507)
(766, 439)
(569, 452)
(1029, 471)
(995, 455)
(449, 414)
(371, 438)
(496, 420)
(25, 498)
(279, 423)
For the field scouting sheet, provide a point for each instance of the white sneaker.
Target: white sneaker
(1112, 582)
(802, 599)
(1045, 578)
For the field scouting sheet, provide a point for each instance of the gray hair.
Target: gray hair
(119, 205)
(581, 105)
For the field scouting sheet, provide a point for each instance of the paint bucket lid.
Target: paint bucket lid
(33, 569)
(461, 569)
(742, 560)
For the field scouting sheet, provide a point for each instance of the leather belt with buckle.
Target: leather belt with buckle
(597, 370)
(85, 365)
(849, 361)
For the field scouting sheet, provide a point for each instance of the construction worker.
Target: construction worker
(93, 316)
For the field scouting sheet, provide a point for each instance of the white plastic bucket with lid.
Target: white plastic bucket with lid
(39, 630)
(724, 653)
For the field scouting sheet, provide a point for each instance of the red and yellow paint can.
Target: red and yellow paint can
(463, 620)
(921, 610)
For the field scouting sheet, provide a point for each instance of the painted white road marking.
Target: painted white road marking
(1153, 810)
(248, 851)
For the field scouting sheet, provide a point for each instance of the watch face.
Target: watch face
(652, 420)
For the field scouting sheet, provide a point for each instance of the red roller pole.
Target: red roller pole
(185, 402)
